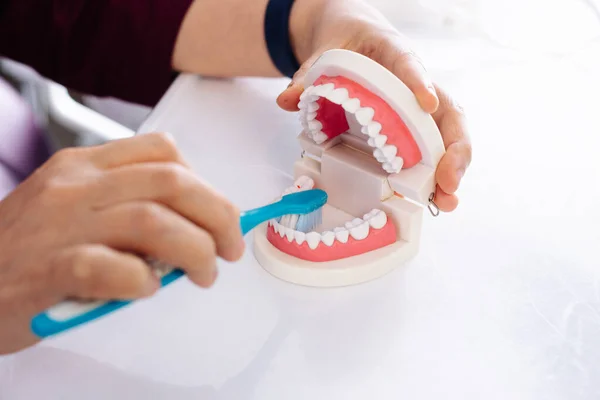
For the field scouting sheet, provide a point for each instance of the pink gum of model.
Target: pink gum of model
(333, 118)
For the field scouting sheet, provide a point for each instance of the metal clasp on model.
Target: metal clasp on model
(433, 208)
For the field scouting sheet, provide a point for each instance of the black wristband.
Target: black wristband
(277, 36)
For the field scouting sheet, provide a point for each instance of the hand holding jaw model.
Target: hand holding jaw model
(357, 26)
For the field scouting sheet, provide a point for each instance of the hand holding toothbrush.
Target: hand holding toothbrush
(69, 231)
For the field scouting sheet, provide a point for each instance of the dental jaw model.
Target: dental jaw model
(370, 146)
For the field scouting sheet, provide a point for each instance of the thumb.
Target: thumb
(290, 97)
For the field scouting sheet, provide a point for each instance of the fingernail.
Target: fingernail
(236, 245)
(169, 136)
(460, 173)
(290, 85)
(215, 275)
(241, 249)
(152, 285)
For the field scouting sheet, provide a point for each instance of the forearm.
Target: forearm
(225, 38)
(131, 48)
(120, 48)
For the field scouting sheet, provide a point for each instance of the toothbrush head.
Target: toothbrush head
(307, 206)
(305, 201)
(309, 222)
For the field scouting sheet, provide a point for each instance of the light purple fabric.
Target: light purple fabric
(23, 146)
(8, 181)
(120, 48)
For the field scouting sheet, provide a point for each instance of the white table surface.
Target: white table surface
(503, 301)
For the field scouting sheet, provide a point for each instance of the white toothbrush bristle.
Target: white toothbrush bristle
(308, 222)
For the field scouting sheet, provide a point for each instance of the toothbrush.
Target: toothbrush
(306, 206)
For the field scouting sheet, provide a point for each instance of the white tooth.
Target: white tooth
(389, 168)
(310, 116)
(389, 152)
(300, 237)
(357, 221)
(338, 96)
(377, 141)
(323, 90)
(306, 93)
(293, 221)
(312, 107)
(365, 115)
(305, 182)
(386, 153)
(378, 220)
(351, 105)
(371, 130)
(320, 137)
(301, 105)
(397, 164)
(284, 222)
(394, 166)
(315, 125)
(328, 238)
(289, 234)
(341, 234)
(361, 231)
(281, 231)
(313, 239)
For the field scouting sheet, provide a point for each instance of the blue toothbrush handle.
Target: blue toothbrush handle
(70, 314)
(251, 219)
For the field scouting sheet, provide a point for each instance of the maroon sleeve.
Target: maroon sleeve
(119, 48)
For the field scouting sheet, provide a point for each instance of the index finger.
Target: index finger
(451, 121)
(180, 190)
(151, 147)
(403, 62)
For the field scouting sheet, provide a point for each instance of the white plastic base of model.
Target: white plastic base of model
(345, 272)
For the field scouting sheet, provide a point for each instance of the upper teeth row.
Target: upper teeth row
(357, 228)
(385, 154)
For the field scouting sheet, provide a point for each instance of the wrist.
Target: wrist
(304, 19)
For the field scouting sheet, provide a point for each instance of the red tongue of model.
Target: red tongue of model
(333, 118)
